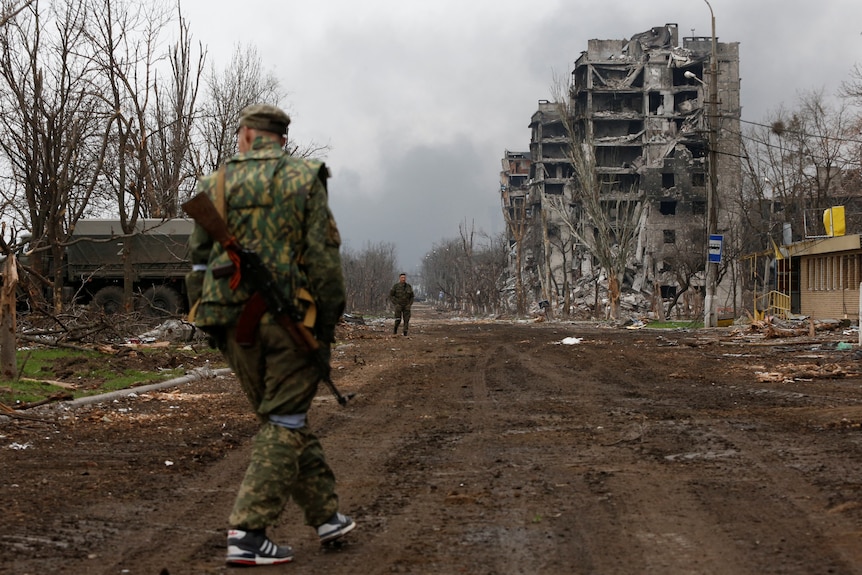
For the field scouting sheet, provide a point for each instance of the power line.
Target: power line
(836, 138)
(774, 146)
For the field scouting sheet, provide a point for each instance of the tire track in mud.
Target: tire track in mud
(490, 450)
(623, 509)
(680, 496)
(694, 486)
(178, 525)
(453, 471)
(487, 477)
(417, 473)
(790, 490)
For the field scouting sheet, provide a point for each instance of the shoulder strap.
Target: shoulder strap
(220, 201)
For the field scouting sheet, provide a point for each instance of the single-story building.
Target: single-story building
(823, 276)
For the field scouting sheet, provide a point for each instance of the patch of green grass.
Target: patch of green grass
(36, 362)
(25, 391)
(90, 372)
(114, 381)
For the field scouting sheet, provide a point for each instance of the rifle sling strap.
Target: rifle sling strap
(220, 201)
(249, 319)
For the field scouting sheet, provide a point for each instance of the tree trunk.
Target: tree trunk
(614, 296)
(128, 275)
(658, 302)
(597, 313)
(567, 288)
(520, 300)
(8, 344)
(547, 286)
(59, 271)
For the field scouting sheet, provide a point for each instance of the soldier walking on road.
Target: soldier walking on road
(276, 205)
(401, 296)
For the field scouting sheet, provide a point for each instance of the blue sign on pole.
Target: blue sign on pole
(715, 242)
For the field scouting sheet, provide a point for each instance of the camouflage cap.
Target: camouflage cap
(264, 117)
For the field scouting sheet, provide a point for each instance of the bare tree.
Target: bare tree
(242, 83)
(50, 116)
(367, 276)
(489, 265)
(518, 224)
(481, 267)
(9, 10)
(683, 263)
(170, 141)
(467, 270)
(796, 157)
(822, 138)
(605, 222)
(852, 87)
(125, 40)
(8, 289)
(851, 91)
(441, 269)
(564, 242)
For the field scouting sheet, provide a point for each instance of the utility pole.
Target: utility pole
(709, 315)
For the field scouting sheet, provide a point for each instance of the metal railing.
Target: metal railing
(773, 303)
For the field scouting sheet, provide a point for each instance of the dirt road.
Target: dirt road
(481, 448)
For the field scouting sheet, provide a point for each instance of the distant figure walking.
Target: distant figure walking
(401, 296)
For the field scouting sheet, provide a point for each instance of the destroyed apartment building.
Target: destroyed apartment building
(642, 108)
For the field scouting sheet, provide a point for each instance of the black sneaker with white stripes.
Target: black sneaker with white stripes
(255, 548)
(337, 526)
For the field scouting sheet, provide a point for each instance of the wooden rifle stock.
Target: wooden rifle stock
(202, 210)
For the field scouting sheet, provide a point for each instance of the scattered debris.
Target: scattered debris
(772, 327)
(173, 330)
(353, 318)
(13, 413)
(55, 383)
(804, 371)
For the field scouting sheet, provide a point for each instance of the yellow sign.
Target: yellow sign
(833, 221)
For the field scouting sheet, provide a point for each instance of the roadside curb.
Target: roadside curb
(193, 375)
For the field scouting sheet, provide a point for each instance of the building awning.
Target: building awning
(824, 246)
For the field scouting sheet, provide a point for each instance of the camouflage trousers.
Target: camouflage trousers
(402, 311)
(285, 463)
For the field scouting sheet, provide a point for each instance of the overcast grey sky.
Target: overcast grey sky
(419, 100)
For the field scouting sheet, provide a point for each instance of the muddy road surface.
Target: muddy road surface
(477, 447)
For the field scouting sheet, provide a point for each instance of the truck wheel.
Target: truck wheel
(161, 302)
(108, 300)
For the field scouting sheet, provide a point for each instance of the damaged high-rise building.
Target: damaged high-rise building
(638, 112)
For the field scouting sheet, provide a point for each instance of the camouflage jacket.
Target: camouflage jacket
(401, 294)
(277, 206)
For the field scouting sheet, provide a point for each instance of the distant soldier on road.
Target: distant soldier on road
(401, 296)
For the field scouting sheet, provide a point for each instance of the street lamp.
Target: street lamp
(709, 316)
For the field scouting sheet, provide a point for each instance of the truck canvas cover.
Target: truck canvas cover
(158, 248)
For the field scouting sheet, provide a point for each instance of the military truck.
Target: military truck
(93, 265)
